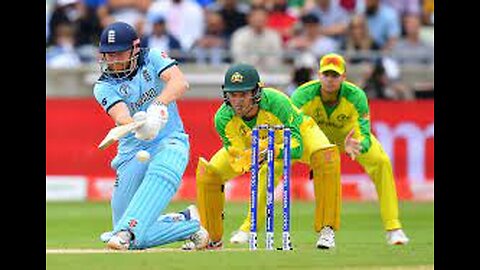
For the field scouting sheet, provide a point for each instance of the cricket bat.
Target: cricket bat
(118, 132)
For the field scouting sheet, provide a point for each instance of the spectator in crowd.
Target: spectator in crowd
(161, 39)
(255, 44)
(298, 8)
(61, 54)
(333, 17)
(311, 39)
(349, 5)
(404, 7)
(85, 23)
(303, 71)
(280, 20)
(212, 46)
(128, 11)
(359, 45)
(64, 12)
(411, 49)
(382, 80)
(184, 19)
(233, 13)
(383, 24)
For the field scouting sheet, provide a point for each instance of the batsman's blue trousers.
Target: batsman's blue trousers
(142, 191)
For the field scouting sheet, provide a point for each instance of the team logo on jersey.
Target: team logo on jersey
(243, 130)
(342, 117)
(164, 54)
(124, 90)
(146, 75)
(111, 36)
(236, 78)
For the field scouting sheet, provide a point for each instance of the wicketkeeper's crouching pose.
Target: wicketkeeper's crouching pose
(247, 104)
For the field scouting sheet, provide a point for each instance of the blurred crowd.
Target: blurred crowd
(380, 34)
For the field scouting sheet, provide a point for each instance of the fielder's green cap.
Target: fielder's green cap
(332, 61)
(240, 77)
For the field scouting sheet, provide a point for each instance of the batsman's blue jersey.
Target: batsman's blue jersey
(137, 92)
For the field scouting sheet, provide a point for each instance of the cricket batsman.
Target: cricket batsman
(248, 103)
(141, 84)
(341, 110)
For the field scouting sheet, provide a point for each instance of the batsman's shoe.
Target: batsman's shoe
(240, 237)
(397, 237)
(106, 236)
(120, 241)
(200, 239)
(188, 245)
(326, 239)
(212, 245)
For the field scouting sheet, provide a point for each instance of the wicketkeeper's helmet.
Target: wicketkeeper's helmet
(242, 78)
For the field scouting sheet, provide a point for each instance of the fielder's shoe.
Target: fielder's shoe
(120, 241)
(240, 237)
(397, 237)
(212, 245)
(327, 238)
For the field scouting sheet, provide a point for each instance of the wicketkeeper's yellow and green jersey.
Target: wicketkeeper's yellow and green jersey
(275, 108)
(350, 112)
(234, 158)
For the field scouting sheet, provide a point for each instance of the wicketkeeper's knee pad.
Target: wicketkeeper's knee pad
(210, 199)
(325, 165)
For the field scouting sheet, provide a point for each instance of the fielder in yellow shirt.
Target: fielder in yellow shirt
(247, 104)
(341, 110)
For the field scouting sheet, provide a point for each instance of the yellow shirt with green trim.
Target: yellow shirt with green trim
(275, 108)
(350, 112)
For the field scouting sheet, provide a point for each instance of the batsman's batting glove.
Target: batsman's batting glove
(157, 115)
(156, 118)
(142, 132)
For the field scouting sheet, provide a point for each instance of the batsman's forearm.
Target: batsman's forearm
(120, 114)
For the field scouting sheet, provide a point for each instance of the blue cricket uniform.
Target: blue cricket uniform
(143, 190)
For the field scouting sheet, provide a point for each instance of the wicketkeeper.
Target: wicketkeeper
(248, 103)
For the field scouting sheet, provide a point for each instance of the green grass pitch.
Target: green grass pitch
(360, 243)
